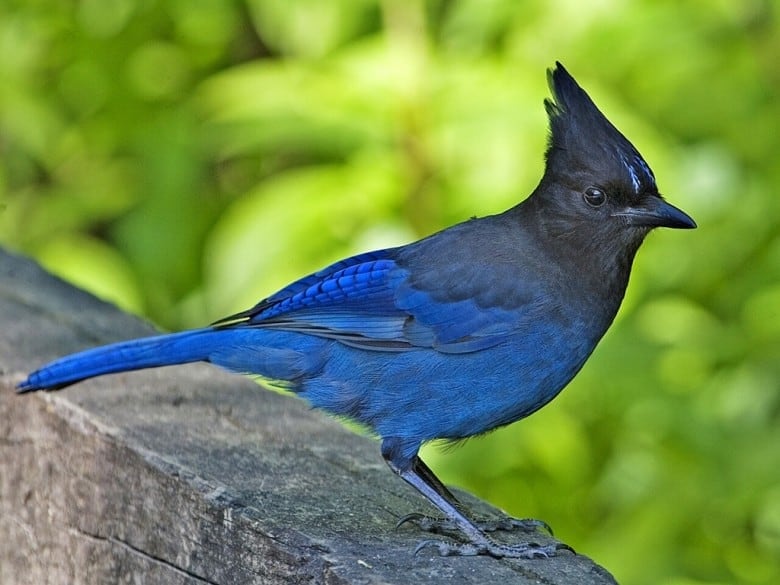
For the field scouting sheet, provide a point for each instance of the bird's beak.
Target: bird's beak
(655, 212)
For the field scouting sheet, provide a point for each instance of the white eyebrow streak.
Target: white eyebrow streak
(632, 170)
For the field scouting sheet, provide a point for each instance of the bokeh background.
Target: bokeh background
(185, 158)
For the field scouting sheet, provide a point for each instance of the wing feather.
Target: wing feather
(372, 301)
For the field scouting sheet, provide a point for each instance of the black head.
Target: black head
(594, 173)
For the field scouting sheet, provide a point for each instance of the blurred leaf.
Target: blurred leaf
(90, 264)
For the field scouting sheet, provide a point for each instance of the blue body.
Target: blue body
(367, 339)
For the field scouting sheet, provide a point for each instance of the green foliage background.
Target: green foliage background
(184, 158)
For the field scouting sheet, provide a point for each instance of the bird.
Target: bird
(464, 331)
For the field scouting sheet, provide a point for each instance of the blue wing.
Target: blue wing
(373, 301)
(351, 300)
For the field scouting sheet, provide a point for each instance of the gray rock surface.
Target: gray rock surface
(190, 475)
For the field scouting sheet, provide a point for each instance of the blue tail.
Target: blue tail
(242, 350)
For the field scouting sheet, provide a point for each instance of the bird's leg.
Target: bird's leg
(419, 475)
(443, 525)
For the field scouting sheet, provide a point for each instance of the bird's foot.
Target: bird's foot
(522, 550)
(506, 524)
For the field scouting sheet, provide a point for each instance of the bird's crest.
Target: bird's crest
(580, 133)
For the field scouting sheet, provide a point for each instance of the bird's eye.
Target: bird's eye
(594, 197)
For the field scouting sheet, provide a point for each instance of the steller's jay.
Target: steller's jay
(472, 328)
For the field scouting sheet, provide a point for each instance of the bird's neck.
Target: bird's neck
(593, 265)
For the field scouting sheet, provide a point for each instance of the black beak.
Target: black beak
(655, 212)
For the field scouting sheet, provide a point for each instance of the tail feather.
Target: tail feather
(136, 354)
(244, 350)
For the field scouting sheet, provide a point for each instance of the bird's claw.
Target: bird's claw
(415, 517)
(509, 524)
(523, 550)
(443, 525)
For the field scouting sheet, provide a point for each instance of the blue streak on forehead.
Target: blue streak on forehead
(638, 170)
